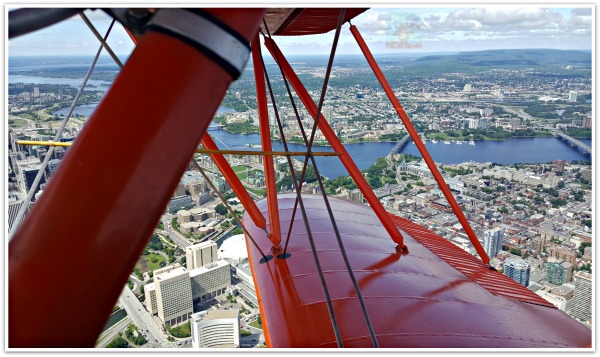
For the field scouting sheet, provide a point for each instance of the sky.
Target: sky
(432, 28)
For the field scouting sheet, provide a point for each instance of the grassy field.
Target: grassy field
(240, 171)
(261, 192)
(256, 324)
(181, 331)
(15, 122)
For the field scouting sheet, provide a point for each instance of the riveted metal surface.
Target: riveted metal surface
(414, 300)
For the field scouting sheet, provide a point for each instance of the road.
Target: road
(112, 332)
(175, 236)
(141, 318)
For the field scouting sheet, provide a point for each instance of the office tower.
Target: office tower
(199, 255)
(150, 292)
(581, 305)
(216, 329)
(558, 272)
(572, 96)
(210, 280)
(173, 296)
(492, 241)
(518, 270)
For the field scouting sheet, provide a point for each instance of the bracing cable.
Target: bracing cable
(38, 177)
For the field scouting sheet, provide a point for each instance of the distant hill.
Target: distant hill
(480, 60)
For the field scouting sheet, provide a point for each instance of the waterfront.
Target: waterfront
(506, 152)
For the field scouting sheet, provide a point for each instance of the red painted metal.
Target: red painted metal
(230, 176)
(103, 203)
(306, 21)
(419, 300)
(234, 181)
(265, 139)
(469, 265)
(336, 144)
(417, 140)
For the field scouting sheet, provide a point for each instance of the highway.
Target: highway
(141, 318)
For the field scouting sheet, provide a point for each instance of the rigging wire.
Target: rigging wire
(102, 41)
(293, 102)
(289, 160)
(38, 177)
(212, 186)
(328, 301)
(324, 194)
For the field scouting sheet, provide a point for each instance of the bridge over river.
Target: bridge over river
(399, 145)
(574, 142)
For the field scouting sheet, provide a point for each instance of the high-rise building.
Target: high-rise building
(210, 280)
(467, 88)
(518, 270)
(216, 329)
(201, 254)
(558, 272)
(492, 241)
(586, 123)
(173, 291)
(28, 177)
(150, 292)
(581, 304)
(14, 205)
(572, 96)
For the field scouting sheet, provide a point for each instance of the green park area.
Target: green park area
(240, 171)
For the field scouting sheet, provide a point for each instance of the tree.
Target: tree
(221, 209)
(118, 342)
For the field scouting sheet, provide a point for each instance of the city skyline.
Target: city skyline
(406, 30)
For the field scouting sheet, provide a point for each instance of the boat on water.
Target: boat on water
(446, 142)
(433, 141)
(459, 142)
(471, 142)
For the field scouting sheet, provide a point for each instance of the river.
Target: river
(510, 151)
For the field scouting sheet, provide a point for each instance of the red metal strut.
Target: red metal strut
(74, 252)
(230, 176)
(265, 139)
(336, 144)
(422, 149)
(235, 183)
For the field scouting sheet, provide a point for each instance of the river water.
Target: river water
(510, 151)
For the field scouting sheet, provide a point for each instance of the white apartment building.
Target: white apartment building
(173, 296)
(201, 254)
(216, 329)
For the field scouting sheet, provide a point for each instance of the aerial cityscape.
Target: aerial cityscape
(509, 129)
